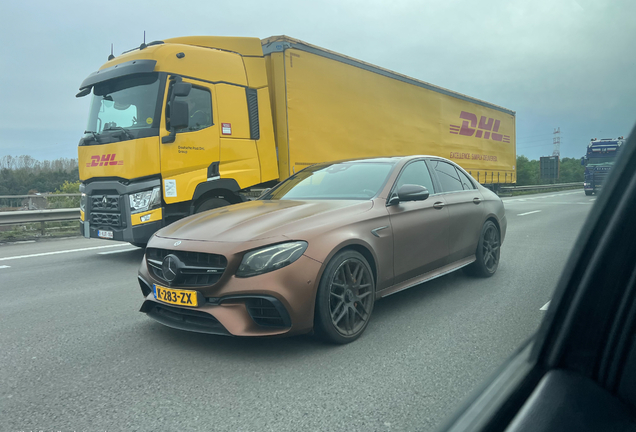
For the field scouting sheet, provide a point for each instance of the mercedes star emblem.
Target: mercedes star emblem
(170, 268)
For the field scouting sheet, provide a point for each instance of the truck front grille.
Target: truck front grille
(199, 269)
(105, 202)
(112, 220)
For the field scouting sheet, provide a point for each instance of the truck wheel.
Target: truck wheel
(210, 204)
(488, 251)
(345, 298)
(588, 193)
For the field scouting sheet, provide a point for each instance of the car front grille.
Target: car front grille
(200, 269)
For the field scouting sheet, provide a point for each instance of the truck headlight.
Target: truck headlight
(83, 200)
(146, 200)
(270, 258)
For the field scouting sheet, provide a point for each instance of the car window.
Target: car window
(466, 183)
(447, 176)
(354, 181)
(415, 173)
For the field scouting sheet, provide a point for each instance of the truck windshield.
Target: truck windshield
(354, 181)
(125, 108)
(600, 163)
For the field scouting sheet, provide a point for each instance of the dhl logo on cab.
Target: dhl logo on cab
(104, 160)
(488, 127)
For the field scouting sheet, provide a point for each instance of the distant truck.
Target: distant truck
(189, 124)
(598, 161)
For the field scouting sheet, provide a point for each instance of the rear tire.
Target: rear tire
(211, 204)
(345, 298)
(488, 252)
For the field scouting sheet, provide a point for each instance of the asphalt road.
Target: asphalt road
(77, 355)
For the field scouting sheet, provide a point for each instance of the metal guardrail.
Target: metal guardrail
(54, 215)
(532, 188)
(34, 216)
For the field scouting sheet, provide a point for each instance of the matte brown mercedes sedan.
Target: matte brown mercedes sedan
(315, 252)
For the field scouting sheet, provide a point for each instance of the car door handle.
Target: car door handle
(476, 200)
(438, 205)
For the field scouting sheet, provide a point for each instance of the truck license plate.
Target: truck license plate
(175, 297)
(104, 234)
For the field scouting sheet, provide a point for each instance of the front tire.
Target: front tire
(588, 192)
(488, 252)
(211, 204)
(345, 298)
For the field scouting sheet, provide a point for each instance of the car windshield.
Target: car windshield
(129, 103)
(348, 180)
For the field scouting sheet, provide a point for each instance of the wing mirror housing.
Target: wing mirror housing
(181, 89)
(409, 192)
(179, 115)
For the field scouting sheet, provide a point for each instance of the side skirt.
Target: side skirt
(442, 271)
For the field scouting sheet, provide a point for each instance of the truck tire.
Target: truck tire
(588, 193)
(211, 204)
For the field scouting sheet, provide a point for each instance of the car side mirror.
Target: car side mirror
(409, 192)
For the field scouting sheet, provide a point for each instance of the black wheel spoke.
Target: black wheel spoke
(344, 312)
(364, 295)
(350, 296)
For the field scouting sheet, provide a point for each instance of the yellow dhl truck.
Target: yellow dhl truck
(189, 124)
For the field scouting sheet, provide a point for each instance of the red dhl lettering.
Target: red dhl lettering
(488, 127)
(104, 160)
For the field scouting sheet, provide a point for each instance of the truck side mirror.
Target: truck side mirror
(583, 161)
(179, 115)
(181, 89)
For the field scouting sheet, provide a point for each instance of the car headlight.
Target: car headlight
(270, 258)
(83, 200)
(146, 200)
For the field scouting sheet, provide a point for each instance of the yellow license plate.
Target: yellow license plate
(175, 296)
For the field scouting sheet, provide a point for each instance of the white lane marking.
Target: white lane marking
(1, 267)
(593, 199)
(118, 251)
(545, 306)
(523, 214)
(61, 252)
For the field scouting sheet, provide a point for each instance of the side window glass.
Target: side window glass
(447, 176)
(199, 109)
(465, 181)
(415, 173)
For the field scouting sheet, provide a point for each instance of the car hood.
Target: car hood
(255, 220)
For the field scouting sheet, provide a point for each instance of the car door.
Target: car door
(466, 214)
(578, 373)
(420, 228)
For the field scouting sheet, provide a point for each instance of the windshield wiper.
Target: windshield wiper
(124, 130)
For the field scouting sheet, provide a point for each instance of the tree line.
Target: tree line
(528, 171)
(23, 174)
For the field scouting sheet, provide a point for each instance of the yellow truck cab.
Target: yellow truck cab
(189, 124)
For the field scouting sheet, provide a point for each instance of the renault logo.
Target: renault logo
(170, 268)
(104, 200)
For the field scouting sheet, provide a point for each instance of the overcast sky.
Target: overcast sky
(557, 63)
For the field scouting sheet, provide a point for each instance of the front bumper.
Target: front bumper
(281, 302)
(108, 209)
